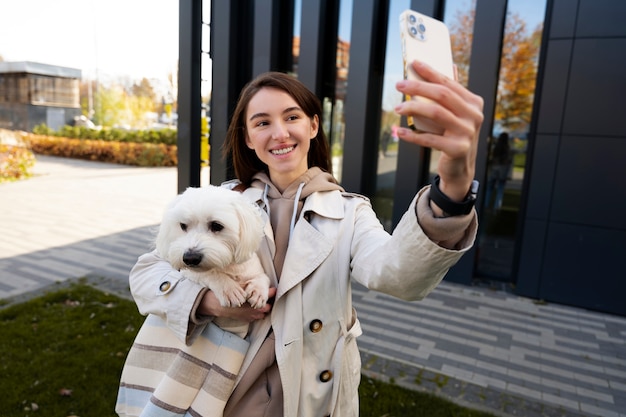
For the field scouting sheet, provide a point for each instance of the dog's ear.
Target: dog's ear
(250, 229)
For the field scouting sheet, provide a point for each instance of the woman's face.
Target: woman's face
(280, 134)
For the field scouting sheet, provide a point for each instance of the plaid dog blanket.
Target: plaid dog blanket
(163, 377)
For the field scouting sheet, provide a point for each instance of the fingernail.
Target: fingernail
(401, 84)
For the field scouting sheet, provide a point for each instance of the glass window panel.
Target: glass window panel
(206, 11)
(295, 48)
(206, 85)
(206, 37)
(459, 16)
(387, 162)
(334, 111)
(206, 70)
(508, 141)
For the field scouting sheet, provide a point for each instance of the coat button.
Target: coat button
(326, 376)
(165, 285)
(316, 325)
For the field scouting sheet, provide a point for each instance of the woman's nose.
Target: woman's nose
(280, 131)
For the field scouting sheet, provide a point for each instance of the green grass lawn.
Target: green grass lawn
(62, 354)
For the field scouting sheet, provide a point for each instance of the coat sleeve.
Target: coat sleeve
(159, 289)
(408, 264)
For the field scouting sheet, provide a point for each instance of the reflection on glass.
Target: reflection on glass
(508, 142)
(386, 168)
(333, 117)
(295, 49)
(459, 16)
(333, 111)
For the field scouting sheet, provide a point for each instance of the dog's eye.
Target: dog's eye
(183, 227)
(215, 226)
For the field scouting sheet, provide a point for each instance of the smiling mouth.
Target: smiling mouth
(282, 151)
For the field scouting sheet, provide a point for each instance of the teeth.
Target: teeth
(282, 151)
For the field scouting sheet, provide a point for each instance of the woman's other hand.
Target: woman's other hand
(210, 306)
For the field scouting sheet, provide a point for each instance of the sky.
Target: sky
(113, 39)
(103, 38)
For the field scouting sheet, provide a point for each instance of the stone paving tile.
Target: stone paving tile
(535, 358)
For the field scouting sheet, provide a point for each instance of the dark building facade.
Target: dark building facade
(32, 93)
(557, 234)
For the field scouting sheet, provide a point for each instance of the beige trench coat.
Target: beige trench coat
(337, 238)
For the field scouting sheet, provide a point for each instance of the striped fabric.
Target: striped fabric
(163, 377)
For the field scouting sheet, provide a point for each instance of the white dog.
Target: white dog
(211, 235)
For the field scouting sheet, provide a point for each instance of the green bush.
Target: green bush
(155, 136)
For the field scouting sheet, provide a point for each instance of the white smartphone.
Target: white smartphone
(428, 40)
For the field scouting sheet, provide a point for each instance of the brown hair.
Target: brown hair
(245, 161)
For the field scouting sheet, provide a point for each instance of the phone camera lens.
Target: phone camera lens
(421, 28)
(412, 19)
(413, 30)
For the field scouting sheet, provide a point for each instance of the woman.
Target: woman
(500, 166)
(303, 359)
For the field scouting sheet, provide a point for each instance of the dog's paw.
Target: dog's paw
(230, 293)
(257, 292)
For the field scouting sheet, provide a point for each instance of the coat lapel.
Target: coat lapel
(307, 249)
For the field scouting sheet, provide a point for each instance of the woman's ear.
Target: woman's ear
(315, 125)
(248, 141)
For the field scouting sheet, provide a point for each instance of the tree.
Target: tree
(461, 37)
(518, 65)
(172, 83)
(518, 74)
(110, 106)
(87, 89)
(143, 89)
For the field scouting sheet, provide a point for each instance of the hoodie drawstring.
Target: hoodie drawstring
(294, 216)
(265, 200)
(296, 200)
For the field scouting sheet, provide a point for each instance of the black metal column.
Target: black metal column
(231, 53)
(318, 46)
(364, 94)
(189, 95)
(273, 35)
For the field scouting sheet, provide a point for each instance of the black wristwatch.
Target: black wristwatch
(449, 207)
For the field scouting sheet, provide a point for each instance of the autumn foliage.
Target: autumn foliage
(126, 153)
(518, 65)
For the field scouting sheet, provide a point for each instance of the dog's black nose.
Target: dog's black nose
(192, 258)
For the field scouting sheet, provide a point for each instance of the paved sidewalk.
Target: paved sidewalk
(478, 346)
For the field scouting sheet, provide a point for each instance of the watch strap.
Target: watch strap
(449, 207)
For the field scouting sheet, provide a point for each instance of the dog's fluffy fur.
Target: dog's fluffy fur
(211, 235)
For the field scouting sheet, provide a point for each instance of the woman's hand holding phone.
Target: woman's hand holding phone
(458, 111)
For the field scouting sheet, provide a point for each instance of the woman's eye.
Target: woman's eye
(215, 227)
(293, 117)
(183, 227)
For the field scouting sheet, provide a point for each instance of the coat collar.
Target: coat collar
(324, 203)
(307, 243)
